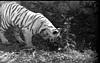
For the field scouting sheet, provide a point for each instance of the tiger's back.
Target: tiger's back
(14, 14)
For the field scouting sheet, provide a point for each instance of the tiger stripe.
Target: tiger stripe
(13, 14)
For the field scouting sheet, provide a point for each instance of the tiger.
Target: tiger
(30, 23)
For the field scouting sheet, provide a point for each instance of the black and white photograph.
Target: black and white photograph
(48, 31)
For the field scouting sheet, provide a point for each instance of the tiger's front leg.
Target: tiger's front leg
(17, 35)
(18, 38)
(28, 37)
(3, 38)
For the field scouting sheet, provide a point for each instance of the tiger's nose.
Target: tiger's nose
(55, 32)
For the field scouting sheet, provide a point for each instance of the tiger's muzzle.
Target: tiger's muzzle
(54, 36)
(50, 35)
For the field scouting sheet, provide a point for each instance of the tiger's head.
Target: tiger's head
(48, 31)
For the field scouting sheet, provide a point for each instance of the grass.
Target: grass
(40, 56)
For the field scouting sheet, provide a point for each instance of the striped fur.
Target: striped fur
(31, 23)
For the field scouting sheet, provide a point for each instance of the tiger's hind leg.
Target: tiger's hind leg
(3, 38)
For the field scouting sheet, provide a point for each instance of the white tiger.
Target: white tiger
(30, 23)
